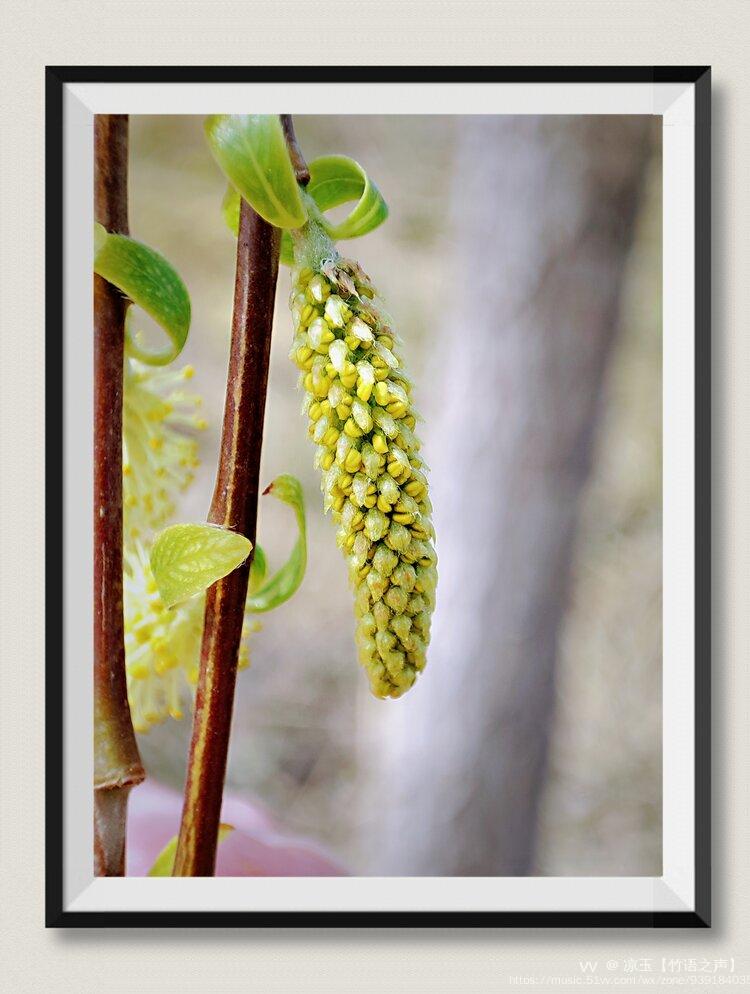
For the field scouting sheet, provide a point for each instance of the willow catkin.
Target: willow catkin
(358, 401)
(158, 448)
(162, 646)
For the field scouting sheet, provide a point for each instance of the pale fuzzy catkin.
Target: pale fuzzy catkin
(160, 453)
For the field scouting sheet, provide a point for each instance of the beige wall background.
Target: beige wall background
(514, 32)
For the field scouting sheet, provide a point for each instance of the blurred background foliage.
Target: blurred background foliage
(303, 714)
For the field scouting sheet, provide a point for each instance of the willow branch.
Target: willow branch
(295, 152)
(234, 505)
(117, 764)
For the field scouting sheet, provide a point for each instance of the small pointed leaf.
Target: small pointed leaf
(283, 584)
(149, 281)
(186, 559)
(257, 570)
(230, 208)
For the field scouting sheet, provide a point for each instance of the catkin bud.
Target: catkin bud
(373, 478)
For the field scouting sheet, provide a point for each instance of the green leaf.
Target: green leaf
(257, 570)
(147, 279)
(252, 152)
(286, 252)
(164, 862)
(230, 208)
(283, 584)
(336, 180)
(187, 559)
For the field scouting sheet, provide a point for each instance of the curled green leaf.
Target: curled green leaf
(283, 584)
(164, 862)
(336, 180)
(252, 152)
(147, 279)
(186, 559)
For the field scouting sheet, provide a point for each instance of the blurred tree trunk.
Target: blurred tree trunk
(545, 209)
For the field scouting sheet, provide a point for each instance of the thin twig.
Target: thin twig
(117, 764)
(234, 505)
(295, 152)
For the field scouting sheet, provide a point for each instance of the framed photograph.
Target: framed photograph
(456, 321)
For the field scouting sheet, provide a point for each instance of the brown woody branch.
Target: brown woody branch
(234, 505)
(295, 152)
(117, 764)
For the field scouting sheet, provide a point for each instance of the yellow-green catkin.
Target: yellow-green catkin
(162, 646)
(158, 448)
(160, 453)
(358, 401)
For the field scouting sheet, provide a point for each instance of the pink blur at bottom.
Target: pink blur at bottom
(258, 847)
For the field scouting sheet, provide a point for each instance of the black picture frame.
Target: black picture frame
(56, 78)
